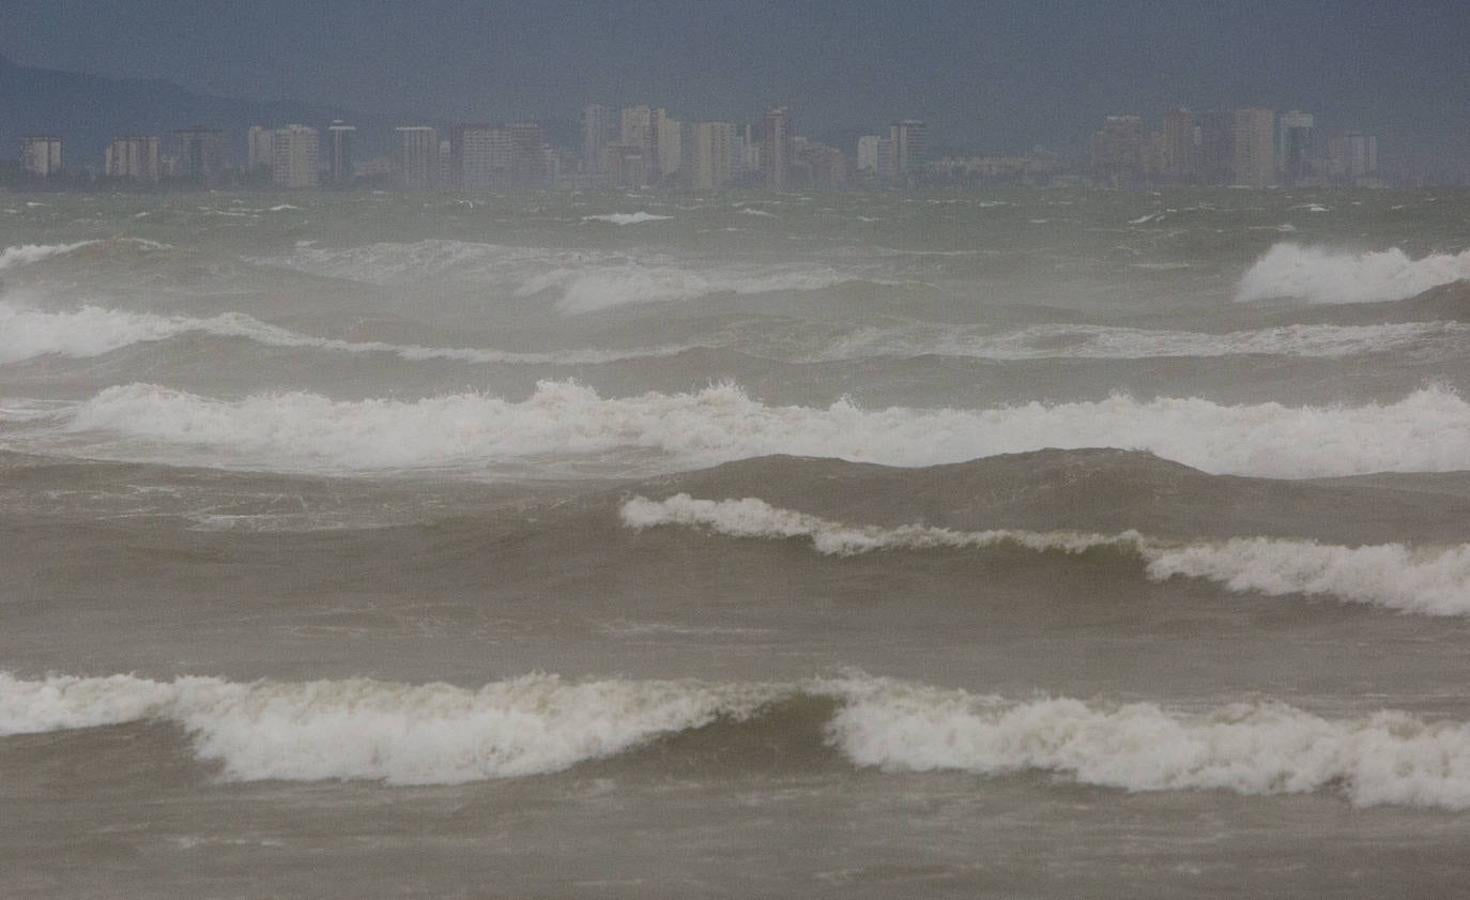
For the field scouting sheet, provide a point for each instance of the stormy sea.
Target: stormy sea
(1034, 544)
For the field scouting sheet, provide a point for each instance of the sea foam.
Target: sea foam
(1429, 581)
(1321, 275)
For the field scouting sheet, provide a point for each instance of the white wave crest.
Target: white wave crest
(637, 218)
(92, 331)
(441, 734)
(1320, 275)
(1427, 431)
(1253, 749)
(33, 253)
(1392, 576)
(401, 734)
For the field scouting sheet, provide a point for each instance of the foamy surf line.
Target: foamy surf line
(440, 734)
(1393, 576)
(1427, 431)
(93, 331)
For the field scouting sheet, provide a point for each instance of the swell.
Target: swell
(1429, 581)
(90, 331)
(440, 734)
(1427, 431)
(578, 281)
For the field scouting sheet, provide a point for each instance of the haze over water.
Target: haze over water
(1050, 543)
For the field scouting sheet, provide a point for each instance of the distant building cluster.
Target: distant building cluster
(637, 147)
(643, 146)
(629, 148)
(1251, 147)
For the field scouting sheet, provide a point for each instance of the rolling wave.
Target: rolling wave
(1427, 431)
(93, 331)
(1107, 342)
(440, 734)
(1321, 275)
(1392, 576)
(581, 281)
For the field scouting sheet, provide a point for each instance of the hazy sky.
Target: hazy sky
(999, 75)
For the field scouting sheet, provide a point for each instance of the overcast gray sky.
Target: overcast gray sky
(991, 74)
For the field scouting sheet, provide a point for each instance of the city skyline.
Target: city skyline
(641, 146)
(989, 77)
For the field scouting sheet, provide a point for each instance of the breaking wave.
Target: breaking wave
(1427, 431)
(1320, 275)
(32, 253)
(440, 734)
(1248, 748)
(92, 331)
(401, 734)
(637, 218)
(1393, 576)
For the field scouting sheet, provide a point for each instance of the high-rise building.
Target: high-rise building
(598, 130)
(1296, 145)
(1255, 147)
(776, 156)
(887, 160)
(260, 153)
(340, 140)
(418, 156)
(627, 167)
(1361, 155)
(40, 155)
(200, 155)
(638, 128)
(1217, 146)
(136, 158)
(714, 155)
(1181, 151)
(1118, 151)
(867, 153)
(527, 155)
(670, 145)
(910, 146)
(297, 157)
(480, 157)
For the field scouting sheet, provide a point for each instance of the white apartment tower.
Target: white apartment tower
(418, 156)
(136, 158)
(40, 156)
(340, 140)
(715, 150)
(296, 162)
(598, 130)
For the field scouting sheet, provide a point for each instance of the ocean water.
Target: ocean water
(1035, 544)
